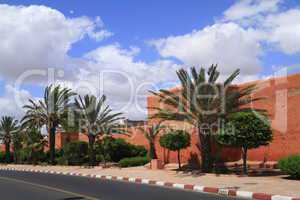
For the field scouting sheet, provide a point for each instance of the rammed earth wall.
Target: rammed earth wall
(282, 99)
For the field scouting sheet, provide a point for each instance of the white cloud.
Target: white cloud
(251, 8)
(116, 72)
(116, 59)
(246, 31)
(100, 34)
(226, 44)
(280, 26)
(284, 30)
(40, 37)
(12, 101)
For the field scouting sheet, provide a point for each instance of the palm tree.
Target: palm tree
(204, 103)
(8, 127)
(96, 118)
(150, 134)
(49, 111)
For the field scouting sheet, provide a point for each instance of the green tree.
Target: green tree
(8, 127)
(150, 133)
(34, 144)
(247, 130)
(176, 140)
(95, 118)
(203, 102)
(50, 111)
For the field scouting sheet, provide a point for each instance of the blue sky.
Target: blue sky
(145, 40)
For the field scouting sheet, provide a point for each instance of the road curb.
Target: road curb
(190, 187)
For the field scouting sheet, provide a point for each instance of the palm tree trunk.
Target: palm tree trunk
(16, 156)
(178, 157)
(91, 150)
(7, 152)
(153, 154)
(206, 160)
(104, 160)
(34, 157)
(52, 144)
(245, 168)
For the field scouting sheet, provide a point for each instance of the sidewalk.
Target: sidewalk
(271, 185)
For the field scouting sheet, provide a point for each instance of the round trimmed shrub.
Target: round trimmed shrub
(291, 166)
(176, 140)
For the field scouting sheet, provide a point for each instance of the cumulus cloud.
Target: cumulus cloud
(284, 30)
(251, 8)
(38, 37)
(12, 101)
(246, 31)
(35, 37)
(116, 72)
(281, 26)
(226, 44)
(125, 80)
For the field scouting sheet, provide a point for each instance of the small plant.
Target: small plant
(175, 141)
(291, 166)
(134, 161)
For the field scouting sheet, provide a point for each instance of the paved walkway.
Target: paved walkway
(272, 185)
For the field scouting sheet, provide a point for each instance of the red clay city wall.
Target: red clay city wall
(192, 153)
(282, 98)
(282, 103)
(61, 138)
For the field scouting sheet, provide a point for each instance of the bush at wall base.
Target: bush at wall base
(134, 161)
(291, 166)
(75, 153)
(115, 150)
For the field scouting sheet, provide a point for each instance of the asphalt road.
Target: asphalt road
(39, 186)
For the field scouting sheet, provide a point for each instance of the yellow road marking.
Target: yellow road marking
(49, 188)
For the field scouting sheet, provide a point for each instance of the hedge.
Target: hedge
(116, 149)
(74, 153)
(134, 161)
(291, 166)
